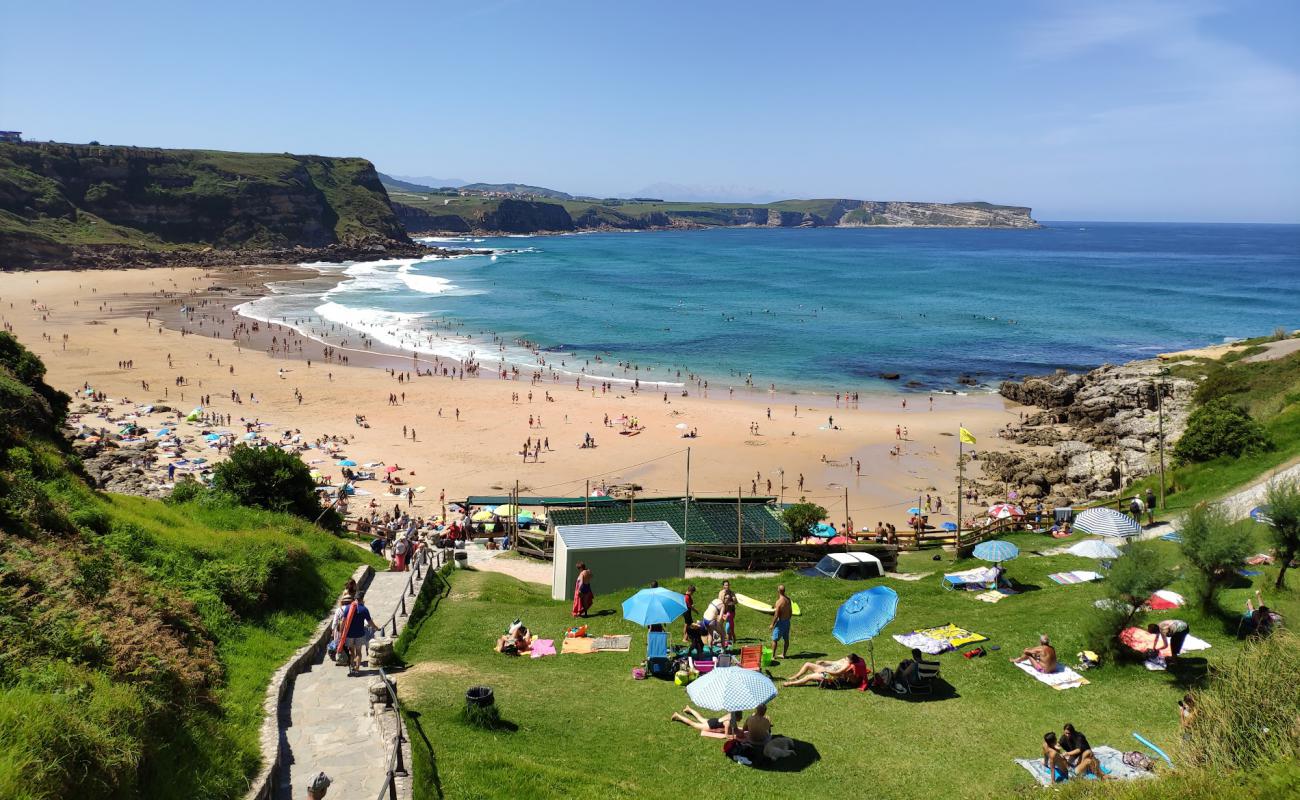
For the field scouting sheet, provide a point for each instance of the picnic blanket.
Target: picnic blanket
(1259, 559)
(1063, 678)
(1172, 536)
(1076, 576)
(543, 647)
(580, 644)
(618, 644)
(908, 576)
(941, 639)
(1112, 763)
(995, 595)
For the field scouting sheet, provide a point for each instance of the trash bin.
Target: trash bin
(462, 558)
(479, 697)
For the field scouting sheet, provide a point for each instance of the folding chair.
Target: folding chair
(656, 652)
(751, 657)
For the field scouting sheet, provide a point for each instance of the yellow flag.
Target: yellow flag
(966, 436)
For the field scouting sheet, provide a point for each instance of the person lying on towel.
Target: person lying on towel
(692, 718)
(1042, 657)
(517, 640)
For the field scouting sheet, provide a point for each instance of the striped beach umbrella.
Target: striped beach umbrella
(996, 551)
(731, 689)
(1107, 522)
(1004, 510)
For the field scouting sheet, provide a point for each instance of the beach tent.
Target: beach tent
(620, 555)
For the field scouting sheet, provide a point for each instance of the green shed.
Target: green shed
(619, 555)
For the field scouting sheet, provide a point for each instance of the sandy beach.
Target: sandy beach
(465, 436)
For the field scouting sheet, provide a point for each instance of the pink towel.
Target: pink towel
(543, 647)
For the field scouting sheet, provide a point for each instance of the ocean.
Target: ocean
(829, 309)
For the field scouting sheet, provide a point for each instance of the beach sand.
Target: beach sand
(102, 314)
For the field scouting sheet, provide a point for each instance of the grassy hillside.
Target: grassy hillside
(899, 747)
(1269, 391)
(55, 198)
(137, 637)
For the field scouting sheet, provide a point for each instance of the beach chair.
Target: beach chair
(925, 679)
(656, 653)
(751, 657)
(703, 665)
(723, 659)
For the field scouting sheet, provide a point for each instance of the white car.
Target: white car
(847, 566)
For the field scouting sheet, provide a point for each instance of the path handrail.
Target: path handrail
(418, 568)
(396, 766)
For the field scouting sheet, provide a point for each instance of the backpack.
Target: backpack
(1138, 760)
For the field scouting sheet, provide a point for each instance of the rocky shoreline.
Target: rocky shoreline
(1088, 435)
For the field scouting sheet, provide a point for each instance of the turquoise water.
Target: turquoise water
(829, 309)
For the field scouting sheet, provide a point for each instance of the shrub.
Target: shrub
(268, 478)
(1283, 498)
(1249, 715)
(801, 518)
(185, 490)
(1138, 573)
(1220, 428)
(1213, 548)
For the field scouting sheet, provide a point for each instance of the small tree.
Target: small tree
(1137, 574)
(1220, 428)
(268, 478)
(801, 518)
(1214, 549)
(1283, 498)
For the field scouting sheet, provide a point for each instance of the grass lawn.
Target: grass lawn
(586, 728)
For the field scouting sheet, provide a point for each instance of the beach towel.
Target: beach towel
(995, 595)
(908, 576)
(1063, 678)
(578, 645)
(1172, 536)
(1191, 644)
(978, 575)
(1259, 559)
(1112, 764)
(1077, 576)
(1249, 573)
(1163, 600)
(543, 647)
(941, 639)
(618, 644)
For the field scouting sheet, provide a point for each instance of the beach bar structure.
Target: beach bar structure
(620, 555)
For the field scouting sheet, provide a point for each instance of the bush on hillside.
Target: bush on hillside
(801, 518)
(268, 478)
(1220, 428)
(1214, 549)
(1137, 574)
(186, 490)
(1283, 499)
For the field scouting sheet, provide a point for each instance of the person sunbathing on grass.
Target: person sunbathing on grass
(729, 726)
(1042, 657)
(1079, 753)
(516, 641)
(1053, 759)
(819, 671)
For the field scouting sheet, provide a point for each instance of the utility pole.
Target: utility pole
(586, 504)
(739, 523)
(686, 504)
(848, 521)
(1160, 416)
(781, 489)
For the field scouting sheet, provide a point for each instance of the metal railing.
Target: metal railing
(419, 568)
(396, 764)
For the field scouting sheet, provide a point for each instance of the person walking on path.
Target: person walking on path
(1151, 506)
(781, 612)
(358, 620)
(318, 786)
(582, 593)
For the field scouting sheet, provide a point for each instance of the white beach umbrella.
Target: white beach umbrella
(1095, 548)
(1107, 522)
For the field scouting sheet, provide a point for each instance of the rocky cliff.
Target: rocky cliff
(486, 213)
(1089, 435)
(64, 204)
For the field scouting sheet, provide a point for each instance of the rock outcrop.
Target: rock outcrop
(1091, 435)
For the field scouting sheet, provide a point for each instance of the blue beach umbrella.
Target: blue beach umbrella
(347, 462)
(824, 530)
(731, 689)
(1107, 522)
(212, 437)
(949, 526)
(864, 615)
(524, 517)
(996, 551)
(654, 607)
(1260, 514)
(914, 510)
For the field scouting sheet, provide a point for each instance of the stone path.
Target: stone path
(330, 726)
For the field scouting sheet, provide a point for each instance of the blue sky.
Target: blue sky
(1180, 110)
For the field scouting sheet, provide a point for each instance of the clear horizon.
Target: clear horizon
(1104, 111)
